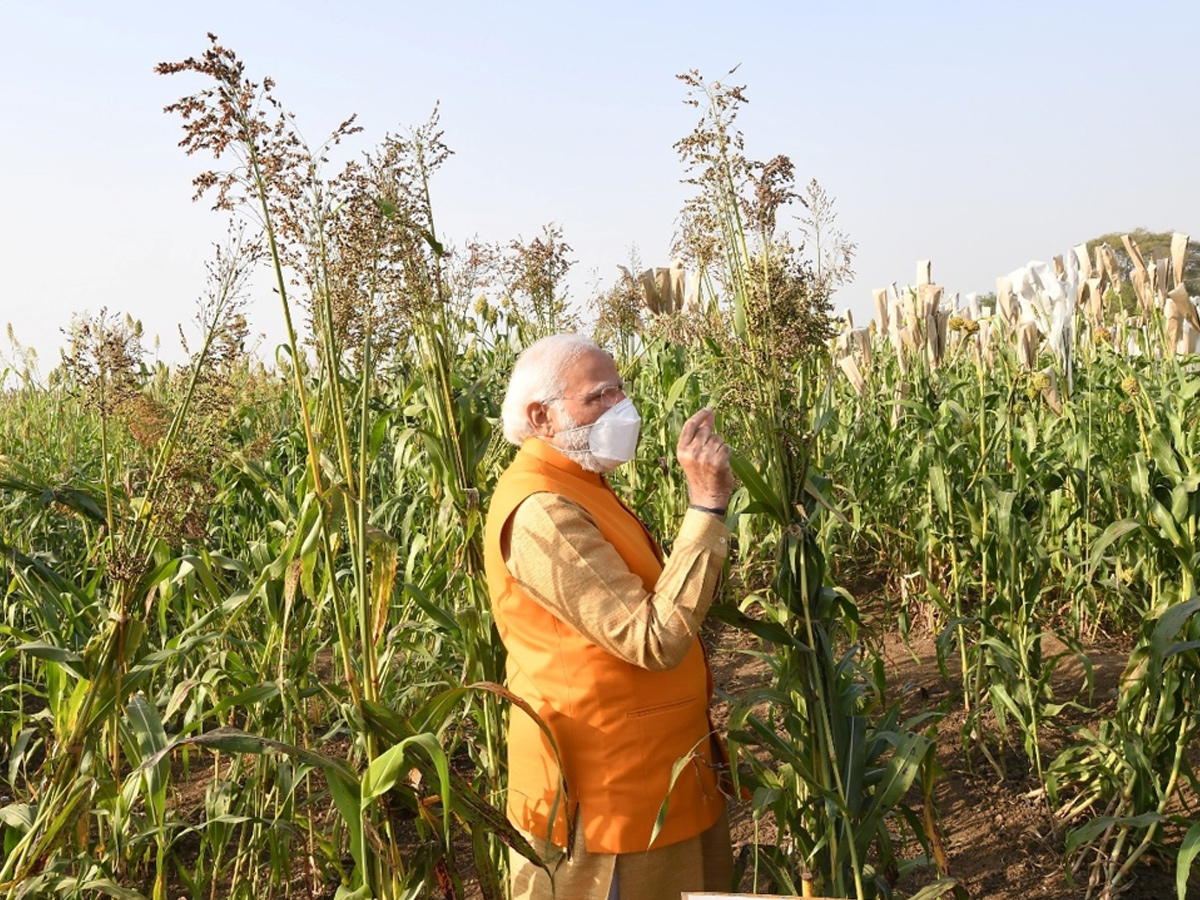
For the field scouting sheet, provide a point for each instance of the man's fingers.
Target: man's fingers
(704, 456)
(693, 424)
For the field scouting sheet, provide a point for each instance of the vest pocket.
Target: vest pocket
(666, 734)
(661, 708)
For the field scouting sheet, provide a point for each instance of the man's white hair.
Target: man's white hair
(538, 377)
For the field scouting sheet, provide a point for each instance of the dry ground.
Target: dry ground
(998, 832)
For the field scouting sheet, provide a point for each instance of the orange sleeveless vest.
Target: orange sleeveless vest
(619, 728)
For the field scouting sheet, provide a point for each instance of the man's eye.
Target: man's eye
(610, 396)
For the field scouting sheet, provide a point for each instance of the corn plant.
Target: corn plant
(94, 661)
(1116, 782)
(365, 246)
(836, 777)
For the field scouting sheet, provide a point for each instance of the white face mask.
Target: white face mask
(614, 436)
(610, 441)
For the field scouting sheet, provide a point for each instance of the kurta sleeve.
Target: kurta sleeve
(558, 555)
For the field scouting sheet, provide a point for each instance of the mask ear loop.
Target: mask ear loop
(569, 418)
(574, 429)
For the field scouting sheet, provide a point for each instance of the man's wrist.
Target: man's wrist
(712, 510)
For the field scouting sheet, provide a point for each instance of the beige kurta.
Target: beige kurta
(561, 559)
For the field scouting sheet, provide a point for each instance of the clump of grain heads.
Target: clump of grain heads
(832, 250)
(529, 275)
(103, 361)
(716, 165)
(276, 179)
(220, 378)
(242, 118)
(384, 261)
(619, 308)
(780, 310)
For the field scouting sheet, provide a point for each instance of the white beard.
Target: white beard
(572, 442)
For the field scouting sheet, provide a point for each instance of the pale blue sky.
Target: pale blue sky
(976, 135)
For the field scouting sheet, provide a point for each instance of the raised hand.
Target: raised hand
(704, 457)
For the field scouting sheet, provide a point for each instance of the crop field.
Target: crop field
(246, 648)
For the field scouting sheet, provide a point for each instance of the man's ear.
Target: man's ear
(539, 417)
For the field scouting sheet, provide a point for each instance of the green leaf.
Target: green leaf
(251, 696)
(768, 631)
(1001, 696)
(62, 812)
(1185, 860)
(387, 207)
(813, 489)
(939, 487)
(440, 616)
(1169, 624)
(69, 659)
(903, 767)
(465, 802)
(1164, 455)
(758, 487)
(437, 712)
(379, 432)
(386, 770)
(346, 799)
(677, 388)
(939, 888)
(143, 719)
(17, 815)
(1112, 533)
(676, 770)
(434, 244)
(233, 741)
(490, 884)
(1092, 829)
(110, 888)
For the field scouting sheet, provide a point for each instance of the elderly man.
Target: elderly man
(602, 643)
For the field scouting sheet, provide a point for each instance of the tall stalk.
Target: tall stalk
(776, 373)
(127, 553)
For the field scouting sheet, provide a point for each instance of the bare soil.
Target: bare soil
(999, 834)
